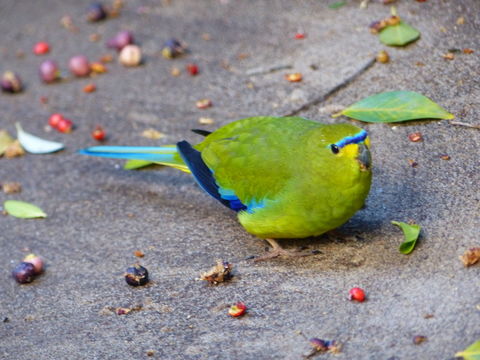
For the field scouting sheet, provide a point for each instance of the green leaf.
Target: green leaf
(24, 210)
(470, 353)
(337, 5)
(136, 164)
(399, 35)
(410, 232)
(394, 106)
(5, 141)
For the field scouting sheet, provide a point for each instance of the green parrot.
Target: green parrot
(286, 177)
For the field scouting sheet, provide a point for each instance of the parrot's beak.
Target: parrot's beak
(364, 157)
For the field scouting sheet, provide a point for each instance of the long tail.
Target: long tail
(163, 155)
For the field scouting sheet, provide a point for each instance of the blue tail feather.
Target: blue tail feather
(153, 154)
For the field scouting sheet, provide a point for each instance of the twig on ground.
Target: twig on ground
(459, 123)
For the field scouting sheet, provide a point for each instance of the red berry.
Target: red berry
(192, 69)
(300, 36)
(54, 119)
(237, 310)
(98, 134)
(357, 294)
(41, 48)
(64, 125)
(79, 65)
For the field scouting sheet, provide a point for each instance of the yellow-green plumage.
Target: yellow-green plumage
(284, 171)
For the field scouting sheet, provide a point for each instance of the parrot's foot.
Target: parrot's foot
(277, 251)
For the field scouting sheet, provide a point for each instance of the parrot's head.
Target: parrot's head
(344, 150)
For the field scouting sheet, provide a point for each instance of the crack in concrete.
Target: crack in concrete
(347, 81)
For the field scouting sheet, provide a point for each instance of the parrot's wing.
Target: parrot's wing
(253, 159)
(202, 174)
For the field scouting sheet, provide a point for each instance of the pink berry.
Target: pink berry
(79, 65)
(357, 294)
(49, 71)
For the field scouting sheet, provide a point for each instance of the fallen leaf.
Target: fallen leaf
(399, 35)
(14, 150)
(470, 257)
(337, 5)
(24, 210)
(411, 233)
(5, 141)
(395, 106)
(36, 145)
(470, 353)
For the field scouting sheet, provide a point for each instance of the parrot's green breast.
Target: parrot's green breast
(284, 172)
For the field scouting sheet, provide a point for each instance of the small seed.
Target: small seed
(89, 88)
(295, 77)
(448, 56)
(417, 340)
(383, 57)
(415, 137)
(203, 103)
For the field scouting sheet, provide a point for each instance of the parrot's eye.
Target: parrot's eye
(335, 149)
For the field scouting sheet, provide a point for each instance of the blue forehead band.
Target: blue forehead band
(355, 139)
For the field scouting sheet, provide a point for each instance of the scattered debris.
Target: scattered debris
(34, 144)
(36, 261)
(418, 339)
(294, 77)
(41, 48)
(138, 253)
(96, 12)
(89, 88)
(382, 57)
(322, 346)
(219, 273)
(175, 71)
(205, 121)
(152, 134)
(49, 71)
(173, 48)
(237, 310)
(448, 56)
(14, 150)
(11, 187)
(130, 55)
(11, 82)
(203, 103)
(445, 157)
(356, 294)
(192, 69)
(458, 123)
(470, 257)
(24, 273)
(136, 275)
(120, 40)
(98, 133)
(79, 66)
(415, 137)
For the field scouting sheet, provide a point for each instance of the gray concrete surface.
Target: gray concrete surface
(99, 214)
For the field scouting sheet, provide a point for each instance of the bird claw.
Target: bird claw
(277, 251)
